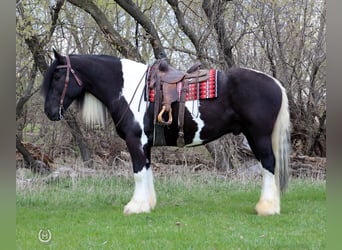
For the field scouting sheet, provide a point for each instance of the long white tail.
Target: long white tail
(93, 111)
(281, 143)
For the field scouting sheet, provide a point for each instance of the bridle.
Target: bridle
(66, 82)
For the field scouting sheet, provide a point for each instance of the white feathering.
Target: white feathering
(92, 111)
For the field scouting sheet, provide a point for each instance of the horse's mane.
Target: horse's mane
(47, 78)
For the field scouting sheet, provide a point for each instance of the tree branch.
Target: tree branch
(188, 30)
(120, 43)
(184, 25)
(54, 18)
(145, 22)
(215, 14)
(28, 91)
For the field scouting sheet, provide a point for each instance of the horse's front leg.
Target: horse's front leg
(144, 196)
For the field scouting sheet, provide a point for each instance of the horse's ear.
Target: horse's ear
(58, 57)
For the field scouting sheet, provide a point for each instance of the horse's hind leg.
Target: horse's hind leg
(144, 197)
(269, 202)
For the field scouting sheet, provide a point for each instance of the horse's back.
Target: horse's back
(254, 96)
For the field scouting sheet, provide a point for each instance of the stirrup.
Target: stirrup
(160, 116)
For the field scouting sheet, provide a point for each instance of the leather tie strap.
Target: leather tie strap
(180, 139)
(181, 110)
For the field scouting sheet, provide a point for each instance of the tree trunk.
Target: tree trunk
(86, 152)
(220, 157)
(224, 151)
(214, 11)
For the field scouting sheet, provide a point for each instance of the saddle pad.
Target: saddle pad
(196, 91)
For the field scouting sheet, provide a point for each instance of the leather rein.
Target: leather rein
(69, 69)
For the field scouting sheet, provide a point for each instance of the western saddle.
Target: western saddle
(165, 79)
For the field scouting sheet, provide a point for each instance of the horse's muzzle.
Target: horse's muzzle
(55, 114)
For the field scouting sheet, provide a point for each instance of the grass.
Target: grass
(193, 212)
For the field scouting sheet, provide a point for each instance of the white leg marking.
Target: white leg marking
(269, 202)
(144, 197)
(152, 193)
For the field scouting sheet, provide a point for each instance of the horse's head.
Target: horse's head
(60, 87)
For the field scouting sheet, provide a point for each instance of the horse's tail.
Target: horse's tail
(281, 143)
(93, 111)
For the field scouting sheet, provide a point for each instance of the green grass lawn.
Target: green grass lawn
(193, 212)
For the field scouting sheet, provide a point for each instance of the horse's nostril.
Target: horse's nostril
(51, 114)
(47, 112)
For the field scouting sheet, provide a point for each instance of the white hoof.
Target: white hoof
(134, 207)
(153, 200)
(265, 207)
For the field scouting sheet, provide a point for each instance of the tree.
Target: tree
(37, 48)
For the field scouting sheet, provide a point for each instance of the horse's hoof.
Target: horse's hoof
(266, 207)
(153, 202)
(134, 207)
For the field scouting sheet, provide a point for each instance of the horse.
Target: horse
(248, 102)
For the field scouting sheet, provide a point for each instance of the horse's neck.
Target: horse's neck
(118, 77)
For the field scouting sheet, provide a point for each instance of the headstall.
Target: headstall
(66, 82)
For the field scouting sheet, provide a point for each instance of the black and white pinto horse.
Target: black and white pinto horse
(248, 102)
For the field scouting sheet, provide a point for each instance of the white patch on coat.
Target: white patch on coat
(193, 108)
(133, 87)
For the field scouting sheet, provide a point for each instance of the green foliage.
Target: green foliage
(192, 213)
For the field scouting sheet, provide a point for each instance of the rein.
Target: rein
(66, 82)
